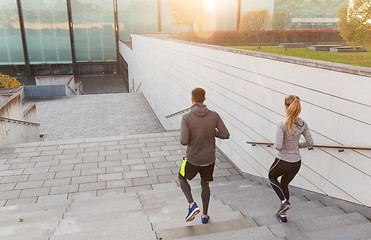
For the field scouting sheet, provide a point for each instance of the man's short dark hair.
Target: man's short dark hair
(198, 95)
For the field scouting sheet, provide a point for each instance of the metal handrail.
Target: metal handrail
(177, 113)
(140, 84)
(18, 121)
(339, 147)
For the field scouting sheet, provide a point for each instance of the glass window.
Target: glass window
(221, 15)
(257, 5)
(94, 33)
(137, 16)
(166, 20)
(11, 49)
(47, 32)
(226, 15)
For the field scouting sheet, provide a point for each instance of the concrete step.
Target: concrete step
(24, 208)
(203, 229)
(316, 224)
(251, 191)
(169, 213)
(253, 233)
(81, 216)
(88, 198)
(98, 201)
(181, 203)
(261, 203)
(32, 217)
(268, 210)
(96, 224)
(299, 215)
(29, 235)
(109, 232)
(251, 196)
(27, 227)
(350, 232)
(106, 207)
(180, 222)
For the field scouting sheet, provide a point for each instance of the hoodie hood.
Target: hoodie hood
(199, 109)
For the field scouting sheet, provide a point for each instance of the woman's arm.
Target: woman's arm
(279, 137)
(308, 139)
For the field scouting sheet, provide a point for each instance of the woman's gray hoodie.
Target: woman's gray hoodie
(288, 144)
(198, 130)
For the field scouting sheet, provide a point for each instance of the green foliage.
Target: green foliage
(7, 81)
(186, 12)
(362, 59)
(355, 22)
(255, 21)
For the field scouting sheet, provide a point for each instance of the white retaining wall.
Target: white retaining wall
(248, 92)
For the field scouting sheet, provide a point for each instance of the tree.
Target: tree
(281, 21)
(255, 21)
(186, 12)
(355, 22)
(201, 20)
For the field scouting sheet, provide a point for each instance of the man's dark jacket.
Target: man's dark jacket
(198, 130)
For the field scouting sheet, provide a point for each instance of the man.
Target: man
(199, 128)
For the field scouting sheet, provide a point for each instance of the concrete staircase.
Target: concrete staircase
(239, 208)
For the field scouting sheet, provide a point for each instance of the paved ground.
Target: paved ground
(43, 171)
(95, 116)
(94, 143)
(102, 84)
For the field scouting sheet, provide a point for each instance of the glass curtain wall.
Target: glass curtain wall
(94, 32)
(137, 16)
(223, 16)
(11, 50)
(167, 20)
(226, 15)
(257, 5)
(47, 33)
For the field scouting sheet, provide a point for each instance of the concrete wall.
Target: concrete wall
(247, 89)
(53, 86)
(30, 114)
(14, 131)
(45, 91)
(53, 80)
(12, 107)
(32, 133)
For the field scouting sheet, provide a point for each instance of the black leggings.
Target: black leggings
(288, 171)
(205, 192)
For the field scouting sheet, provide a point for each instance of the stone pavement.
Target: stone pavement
(43, 171)
(95, 116)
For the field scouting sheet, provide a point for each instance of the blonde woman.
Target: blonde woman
(287, 162)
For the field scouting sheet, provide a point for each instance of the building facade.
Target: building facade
(46, 37)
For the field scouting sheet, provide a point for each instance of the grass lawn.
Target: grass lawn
(362, 59)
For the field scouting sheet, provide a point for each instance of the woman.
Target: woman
(288, 160)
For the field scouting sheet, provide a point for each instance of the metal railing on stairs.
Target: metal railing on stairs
(19, 121)
(340, 148)
(177, 113)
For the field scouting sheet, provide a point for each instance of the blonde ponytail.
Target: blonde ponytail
(293, 105)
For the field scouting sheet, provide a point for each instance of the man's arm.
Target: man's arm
(184, 132)
(222, 131)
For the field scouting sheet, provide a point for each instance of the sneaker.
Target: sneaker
(192, 212)
(281, 218)
(205, 220)
(284, 207)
